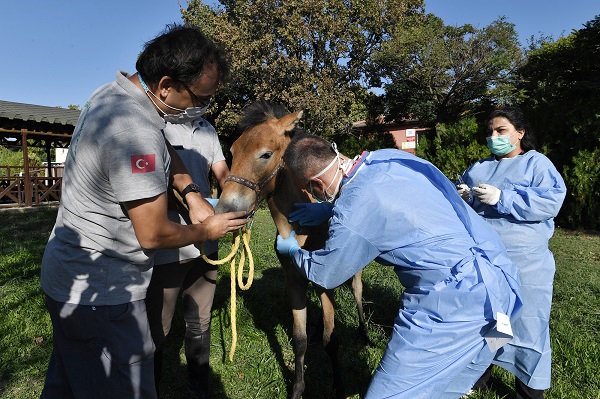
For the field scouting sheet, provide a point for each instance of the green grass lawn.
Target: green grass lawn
(263, 363)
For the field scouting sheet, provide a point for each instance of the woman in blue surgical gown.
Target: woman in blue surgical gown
(401, 211)
(518, 191)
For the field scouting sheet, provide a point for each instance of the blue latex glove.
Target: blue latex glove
(288, 246)
(212, 201)
(311, 213)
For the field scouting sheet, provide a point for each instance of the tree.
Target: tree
(305, 54)
(440, 74)
(561, 83)
(454, 147)
(582, 209)
(14, 157)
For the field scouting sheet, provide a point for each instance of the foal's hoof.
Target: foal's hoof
(340, 394)
(363, 335)
(298, 390)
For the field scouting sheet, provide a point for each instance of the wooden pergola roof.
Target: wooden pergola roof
(46, 127)
(28, 125)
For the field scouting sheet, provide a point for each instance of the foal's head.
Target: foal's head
(266, 130)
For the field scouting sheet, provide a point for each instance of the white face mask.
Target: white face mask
(329, 197)
(185, 115)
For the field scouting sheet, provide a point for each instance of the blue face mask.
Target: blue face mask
(500, 145)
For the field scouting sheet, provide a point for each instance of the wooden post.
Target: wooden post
(26, 177)
(48, 158)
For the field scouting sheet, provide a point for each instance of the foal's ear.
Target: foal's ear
(288, 122)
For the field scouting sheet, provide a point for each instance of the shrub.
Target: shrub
(453, 147)
(583, 183)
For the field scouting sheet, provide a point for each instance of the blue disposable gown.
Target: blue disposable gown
(532, 192)
(401, 211)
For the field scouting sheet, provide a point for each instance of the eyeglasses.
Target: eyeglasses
(198, 101)
(311, 188)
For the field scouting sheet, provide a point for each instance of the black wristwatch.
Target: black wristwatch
(190, 187)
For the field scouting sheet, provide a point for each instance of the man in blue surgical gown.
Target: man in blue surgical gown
(399, 210)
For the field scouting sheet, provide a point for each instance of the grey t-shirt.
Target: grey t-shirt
(117, 154)
(197, 144)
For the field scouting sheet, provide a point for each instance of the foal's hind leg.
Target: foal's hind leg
(357, 290)
(330, 340)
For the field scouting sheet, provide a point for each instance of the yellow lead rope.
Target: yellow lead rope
(246, 250)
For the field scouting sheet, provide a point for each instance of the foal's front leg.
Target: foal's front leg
(297, 286)
(299, 341)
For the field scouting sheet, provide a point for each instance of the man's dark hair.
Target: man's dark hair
(306, 155)
(517, 118)
(181, 52)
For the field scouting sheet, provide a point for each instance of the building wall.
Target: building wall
(61, 155)
(406, 136)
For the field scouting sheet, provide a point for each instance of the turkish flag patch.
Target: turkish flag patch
(143, 163)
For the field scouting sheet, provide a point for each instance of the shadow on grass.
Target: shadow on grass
(24, 323)
(173, 384)
(265, 301)
(269, 307)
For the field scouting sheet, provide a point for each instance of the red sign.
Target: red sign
(143, 163)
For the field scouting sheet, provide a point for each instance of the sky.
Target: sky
(57, 52)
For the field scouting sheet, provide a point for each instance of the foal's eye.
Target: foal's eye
(266, 155)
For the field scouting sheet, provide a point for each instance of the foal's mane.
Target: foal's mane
(259, 112)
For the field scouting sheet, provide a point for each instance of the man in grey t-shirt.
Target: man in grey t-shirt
(113, 217)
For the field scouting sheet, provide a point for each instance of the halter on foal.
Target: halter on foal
(256, 186)
(257, 174)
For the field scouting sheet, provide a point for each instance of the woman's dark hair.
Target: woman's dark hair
(181, 52)
(516, 117)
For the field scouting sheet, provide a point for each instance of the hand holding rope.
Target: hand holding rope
(245, 237)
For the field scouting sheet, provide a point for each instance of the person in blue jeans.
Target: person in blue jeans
(518, 192)
(401, 211)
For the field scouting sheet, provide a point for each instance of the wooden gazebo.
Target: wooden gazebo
(25, 126)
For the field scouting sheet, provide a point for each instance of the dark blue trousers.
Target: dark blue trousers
(100, 352)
